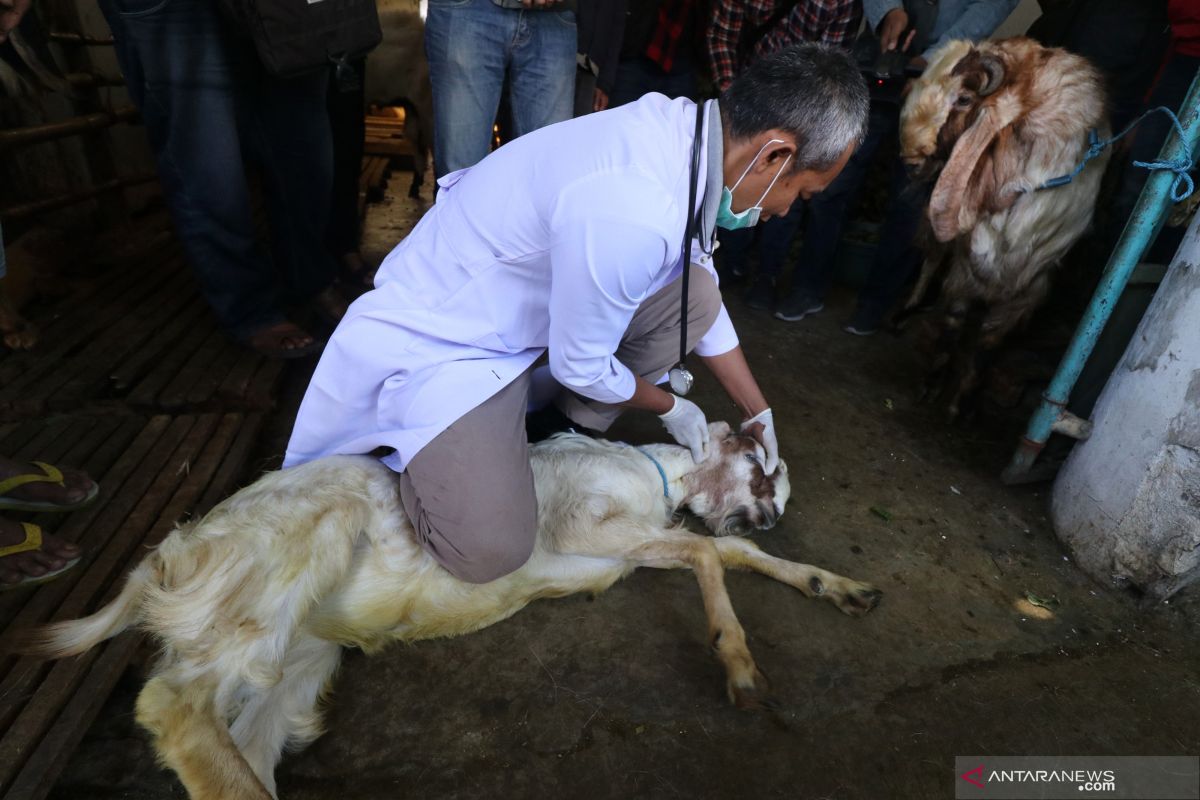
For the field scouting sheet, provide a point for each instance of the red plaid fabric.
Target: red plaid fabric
(830, 21)
(664, 42)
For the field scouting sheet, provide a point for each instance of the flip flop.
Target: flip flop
(33, 541)
(278, 350)
(50, 474)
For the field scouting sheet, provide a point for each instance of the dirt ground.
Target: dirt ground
(617, 696)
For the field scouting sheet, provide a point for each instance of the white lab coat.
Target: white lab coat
(551, 242)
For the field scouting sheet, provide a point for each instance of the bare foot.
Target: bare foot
(282, 340)
(76, 484)
(52, 555)
(18, 332)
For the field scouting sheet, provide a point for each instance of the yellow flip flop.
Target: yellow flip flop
(33, 541)
(49, 474)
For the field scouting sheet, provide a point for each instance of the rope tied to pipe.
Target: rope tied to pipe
(1181, 188)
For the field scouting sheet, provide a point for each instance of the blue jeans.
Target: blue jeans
(208, 105)
(471, 45)
(896, 256)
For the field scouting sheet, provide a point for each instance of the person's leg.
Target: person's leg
(896, 256)
(734, 253)
(542, 78)
(774, 241)
(466, 43)
(286, 128)
(345, 103)
(826, 215)
(54, 553)
(180, 68)
(650, 345)
(469, 492)
(585, 92)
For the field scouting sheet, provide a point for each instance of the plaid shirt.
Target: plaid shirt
(830, 21)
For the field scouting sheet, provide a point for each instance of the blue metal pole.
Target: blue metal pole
(1143, 225)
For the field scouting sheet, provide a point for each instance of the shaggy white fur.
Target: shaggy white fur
(252, 603)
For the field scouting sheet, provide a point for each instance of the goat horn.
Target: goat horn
(994, 69)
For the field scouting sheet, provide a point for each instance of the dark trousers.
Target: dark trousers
(346, 103)
(208, 106)
(639, 76)
(896, 256)
(773, 237)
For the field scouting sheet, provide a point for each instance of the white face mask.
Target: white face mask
(730, 220)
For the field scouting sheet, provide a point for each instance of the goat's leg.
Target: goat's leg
(929, 268)
(286, 714)
(648, 546)
(191, 738)
(852, 597)
(998, 322)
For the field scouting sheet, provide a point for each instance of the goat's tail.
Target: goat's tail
(72, 637)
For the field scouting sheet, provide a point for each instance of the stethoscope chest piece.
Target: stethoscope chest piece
(681, 380)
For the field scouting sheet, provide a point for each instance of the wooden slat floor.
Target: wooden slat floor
(134, 382)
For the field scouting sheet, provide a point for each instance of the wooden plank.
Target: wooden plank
(203, 449)
(235, 384)
(173, 396)
(145, 394)
(260, 394)
(204, 388)
(133, 369)
(389, 147)
(46, 761)
(232, 470)
(94, 526)
(72, 331)
(27, 721)
(122, 341)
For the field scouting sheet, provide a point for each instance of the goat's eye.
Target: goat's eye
(962, 101)
(752, 458)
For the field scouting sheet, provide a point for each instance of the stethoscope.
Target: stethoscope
(680, 377)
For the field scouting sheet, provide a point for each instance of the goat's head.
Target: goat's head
(965, 98)
(730, 491)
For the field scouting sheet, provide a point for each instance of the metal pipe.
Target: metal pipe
(17, 137)
(1143, 225)
(64, 200)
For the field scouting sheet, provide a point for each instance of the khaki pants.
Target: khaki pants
(469, 492)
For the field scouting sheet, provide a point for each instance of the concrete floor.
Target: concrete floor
(617, 696)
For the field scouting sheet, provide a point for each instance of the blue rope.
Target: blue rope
(1180, 166)
(661, 472)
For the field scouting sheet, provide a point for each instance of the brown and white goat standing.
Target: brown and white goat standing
(993, 122)
(253, 603)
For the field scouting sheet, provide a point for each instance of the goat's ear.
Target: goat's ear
(949, 213)
(718, 430)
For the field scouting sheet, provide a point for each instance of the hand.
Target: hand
(762, 427)
(11, 12)
(892, 28)
(687, 425)
(599, 99)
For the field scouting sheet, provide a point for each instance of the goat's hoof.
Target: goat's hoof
(859, 599)
(749, 693)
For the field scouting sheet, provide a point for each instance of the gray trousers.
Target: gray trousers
(469, 492)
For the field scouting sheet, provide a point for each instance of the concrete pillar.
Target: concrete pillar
(1127, 502)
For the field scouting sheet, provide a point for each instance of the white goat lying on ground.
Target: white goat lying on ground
(253, 603)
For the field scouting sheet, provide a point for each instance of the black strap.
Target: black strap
(689, 230)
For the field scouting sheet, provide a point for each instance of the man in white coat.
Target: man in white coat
(566, 243)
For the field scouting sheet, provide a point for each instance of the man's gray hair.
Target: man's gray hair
(813, 91)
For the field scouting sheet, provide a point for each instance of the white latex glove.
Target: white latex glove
(687, 425)
(767, 437)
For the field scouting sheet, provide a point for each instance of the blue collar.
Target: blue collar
(661, 472)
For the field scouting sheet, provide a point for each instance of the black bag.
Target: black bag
(294, 37)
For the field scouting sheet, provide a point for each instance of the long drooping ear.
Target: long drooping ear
(947, 214)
